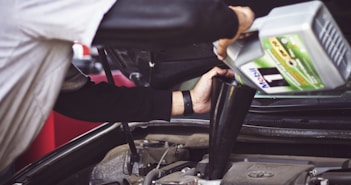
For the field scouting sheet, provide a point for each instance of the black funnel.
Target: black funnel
(229, 106)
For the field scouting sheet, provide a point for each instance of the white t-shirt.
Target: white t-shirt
(36, 38)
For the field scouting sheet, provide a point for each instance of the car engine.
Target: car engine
(170, 162)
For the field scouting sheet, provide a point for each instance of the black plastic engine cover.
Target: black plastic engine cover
(258, 173)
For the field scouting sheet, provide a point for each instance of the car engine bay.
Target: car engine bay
(164, 159)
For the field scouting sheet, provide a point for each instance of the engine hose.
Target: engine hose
(152, 175)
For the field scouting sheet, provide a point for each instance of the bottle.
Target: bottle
(295, 48)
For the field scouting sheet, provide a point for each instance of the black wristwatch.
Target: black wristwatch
(188, 104)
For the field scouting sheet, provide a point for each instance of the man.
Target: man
(36, 40)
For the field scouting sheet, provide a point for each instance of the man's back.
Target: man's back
(35, 52)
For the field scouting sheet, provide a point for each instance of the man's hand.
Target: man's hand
(201, 93)
(245, 18)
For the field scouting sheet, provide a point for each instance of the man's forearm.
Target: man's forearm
(137, 23)
(104, 102)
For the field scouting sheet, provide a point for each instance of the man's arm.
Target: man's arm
(83, 99)
(104, 102)
(160, 23)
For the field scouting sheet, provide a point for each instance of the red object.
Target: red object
(43, 144)
(118, 77)
(67, 128)
(60, 129)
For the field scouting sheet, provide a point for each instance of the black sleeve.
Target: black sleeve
(162, 23)
(104, 102)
